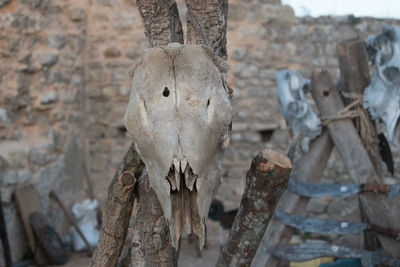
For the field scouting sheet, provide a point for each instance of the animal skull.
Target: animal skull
(296, 108)
(382, 96)
(179, 115)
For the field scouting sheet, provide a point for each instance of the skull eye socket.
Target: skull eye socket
(165, 92)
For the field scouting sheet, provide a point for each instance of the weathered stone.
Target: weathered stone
(48, 59)
(10, 178)
(48, 98)
(56, 40)
(74, 117)
(257, 32)
(125, 20)
(237, 11)
(112, 52)
(78, 14)
(106, 2)
(3, 3)
(4, 115)
(38, 157)
(23, 176)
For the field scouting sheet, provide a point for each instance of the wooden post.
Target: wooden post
(118, 210)
(206, 23)
(266, 180)
(309, 167)
(343, 133)
(161, 21)
(378, 209)
(354, 73)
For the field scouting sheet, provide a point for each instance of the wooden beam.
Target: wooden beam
(266, 180)
(354, 75)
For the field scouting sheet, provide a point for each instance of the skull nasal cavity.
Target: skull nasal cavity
(166, 92)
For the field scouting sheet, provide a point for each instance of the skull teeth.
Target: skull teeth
(181, 170)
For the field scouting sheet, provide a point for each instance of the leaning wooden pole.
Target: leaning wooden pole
(266, 180)
(378, 209)
(354, 76)
(117, 210)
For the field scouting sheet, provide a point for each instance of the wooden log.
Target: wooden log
(151, 244)
(118, 210)
(207, 23)
(266, 180)
(354, 75)
(308, 167)
(161, 21)
(377, 209)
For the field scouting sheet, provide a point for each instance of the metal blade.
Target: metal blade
(309, 251)
(311, 189)
(394, 190)
(315, 225)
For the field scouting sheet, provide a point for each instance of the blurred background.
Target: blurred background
(64, 88)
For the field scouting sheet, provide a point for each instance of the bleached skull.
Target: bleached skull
(179, 115)
(382, 96)
(296, 108)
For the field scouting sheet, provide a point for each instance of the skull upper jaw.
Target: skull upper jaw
(185, 204)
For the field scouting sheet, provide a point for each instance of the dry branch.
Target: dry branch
(308, 168)
(161, 21)
(206, 24)
(118, 210)
(266, 180)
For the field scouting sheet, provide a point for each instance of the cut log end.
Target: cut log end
(274, 159)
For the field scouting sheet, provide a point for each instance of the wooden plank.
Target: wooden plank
(354, 75)
(28, 202)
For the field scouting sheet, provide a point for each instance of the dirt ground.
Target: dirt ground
(188, 254)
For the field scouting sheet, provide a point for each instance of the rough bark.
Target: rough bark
(207, 23)
(266, 180)
(308, 168)
(354, 73)
(151, 244)
(118, 210)
(161, 21)
(378, 209)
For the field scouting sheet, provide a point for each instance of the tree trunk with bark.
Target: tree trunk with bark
(117, 210)
(266, 180)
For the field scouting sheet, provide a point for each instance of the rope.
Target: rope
(347, 112)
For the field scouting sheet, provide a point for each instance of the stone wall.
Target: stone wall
(64, 89)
